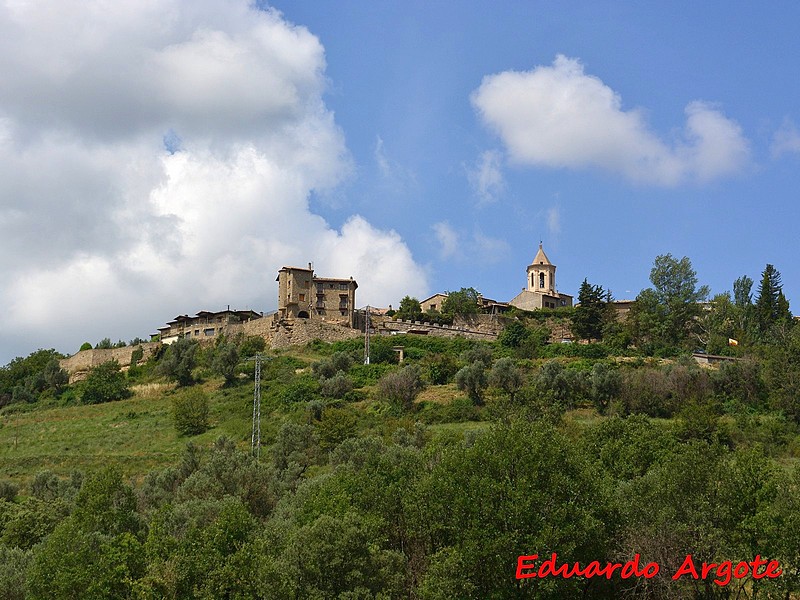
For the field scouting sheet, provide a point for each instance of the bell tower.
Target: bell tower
(542, 274)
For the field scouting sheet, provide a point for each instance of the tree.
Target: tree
(190, 412)
(472, 379)
(95, 552)
(665, 316)
(590, 314)
(226, 359)
(606, 385)
(465, 301)
(771, 306)
(104, 344)
(105, 383)
(179, 361)
(507, 376)
(409, 309)
(85, 346)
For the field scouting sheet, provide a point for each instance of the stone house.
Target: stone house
(303, 295)
(204, 325)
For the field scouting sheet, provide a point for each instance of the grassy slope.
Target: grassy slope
(137, 434)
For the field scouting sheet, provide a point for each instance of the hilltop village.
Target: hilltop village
(311, 306)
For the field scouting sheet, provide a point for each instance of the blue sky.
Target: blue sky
(404, 73)
(168, 157)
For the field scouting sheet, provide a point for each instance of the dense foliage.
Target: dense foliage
(428, 479)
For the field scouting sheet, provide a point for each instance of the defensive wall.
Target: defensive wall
(284, 333)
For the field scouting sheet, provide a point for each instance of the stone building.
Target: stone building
(204, 325)
(303, 295)
(540, 290)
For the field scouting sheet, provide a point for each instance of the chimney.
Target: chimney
(310, 268)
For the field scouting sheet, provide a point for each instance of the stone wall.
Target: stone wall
(477, 327)
(297, 332)
(79, 364)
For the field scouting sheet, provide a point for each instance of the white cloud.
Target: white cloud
(554, 220)
(490, 250)
(104, 231)
(486, 177)
(786, 139)
(558, 116)
(448, 239)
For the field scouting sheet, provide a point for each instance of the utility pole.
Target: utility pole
(366, 335)
(255, 438)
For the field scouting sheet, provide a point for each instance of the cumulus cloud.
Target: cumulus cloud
(486, 177)
(157, 159)
(786, 140)
(558, 116)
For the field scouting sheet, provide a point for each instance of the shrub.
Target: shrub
(337, 386)
(8, 490)
(105, 383)
(330, 367)
(85, 346)
(401, 387)
(190, 412)
(440, 368)
(303, 389)
(179, 361)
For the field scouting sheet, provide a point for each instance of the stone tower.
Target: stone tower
(542, 274)
(540, 289)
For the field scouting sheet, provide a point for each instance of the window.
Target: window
(302, 297)
(541, 280)
(342, 286)
(208, 332)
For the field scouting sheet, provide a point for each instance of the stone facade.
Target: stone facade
(540, 290)
(205, 324)
(303, 295)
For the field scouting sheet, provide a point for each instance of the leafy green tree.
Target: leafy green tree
(14, 563)
(473, 380)
(465, 301)
(514, 335)
(190, 411)
(591, 314)
(85, 346)
(104, 344)
(105, 383)
(179, 361)
(665, 316)
(409, 309)
(24, 378)
(226, 359)
(252, 345)
(507, 376)
(516, 487)
(96, 552)
(606, 385)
